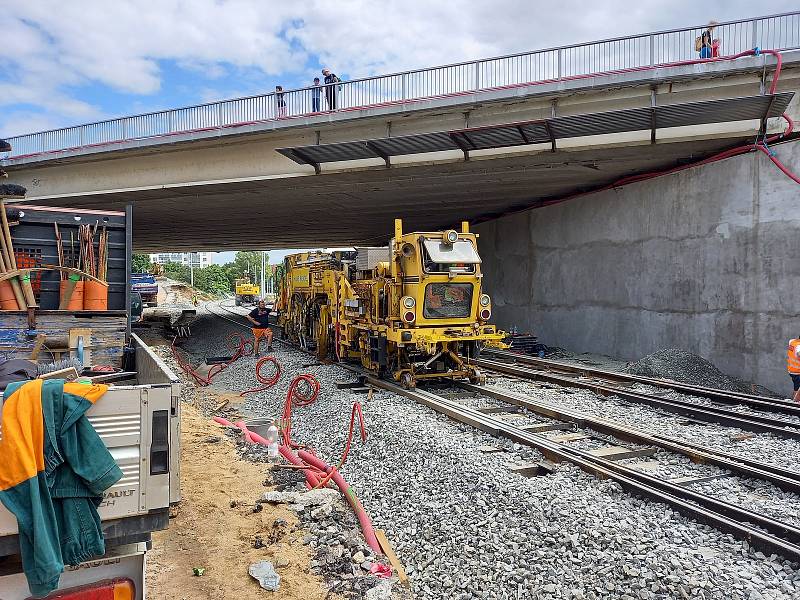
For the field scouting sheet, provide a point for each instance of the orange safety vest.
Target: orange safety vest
(792, 362)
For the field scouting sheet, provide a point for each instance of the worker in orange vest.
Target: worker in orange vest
(793, 365)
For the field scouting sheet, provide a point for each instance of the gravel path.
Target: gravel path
(467, 527)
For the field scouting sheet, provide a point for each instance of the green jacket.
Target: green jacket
(54, 469)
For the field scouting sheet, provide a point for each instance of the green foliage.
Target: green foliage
(140, 263)
(219, 279)
(176, 271)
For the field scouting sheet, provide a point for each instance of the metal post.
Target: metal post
(128, 267)
(754, 40)
(652, 50)
(191, 270)
(263, 285)
(560, 51)
(477, 76)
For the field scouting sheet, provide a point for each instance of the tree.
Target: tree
(177, 271)
(140, 263)
(213, 279)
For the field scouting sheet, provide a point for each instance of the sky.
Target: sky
(66, 63)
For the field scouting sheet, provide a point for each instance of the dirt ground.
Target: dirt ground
(207, 532)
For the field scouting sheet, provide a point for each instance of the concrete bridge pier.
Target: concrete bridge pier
(707, 259)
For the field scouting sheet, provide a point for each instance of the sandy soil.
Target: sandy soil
(207, 532)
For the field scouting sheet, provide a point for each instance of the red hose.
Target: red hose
(356, 411)
(314, 465)
(235, 342)
(265, 381)
(759, 145)
(352, 499)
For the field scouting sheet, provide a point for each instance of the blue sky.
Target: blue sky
(66, 63)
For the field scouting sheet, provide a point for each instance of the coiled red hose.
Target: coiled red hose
(266, 381)
(235, 341)
(297, 397)
(760, 145)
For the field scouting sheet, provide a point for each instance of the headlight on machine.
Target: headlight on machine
(408, 302)
(485, 300)
(450, 236)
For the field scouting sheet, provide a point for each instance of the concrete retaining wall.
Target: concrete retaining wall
(707, 260)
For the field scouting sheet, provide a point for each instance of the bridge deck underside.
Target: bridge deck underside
(357, 206)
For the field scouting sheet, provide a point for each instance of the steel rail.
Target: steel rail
(769, 535)
(709, 414)
(785, 479)
(763, 532)
(717, 395)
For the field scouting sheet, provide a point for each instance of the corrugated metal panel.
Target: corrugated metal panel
(600, 123)
(722, 111)
(536, 132)
(493, 137)
(416, 144)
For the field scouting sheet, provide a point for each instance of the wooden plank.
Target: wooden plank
(389, 552)
(620, 452)
(544, 467)
(541, 427)
(570, 437)
(37, 346)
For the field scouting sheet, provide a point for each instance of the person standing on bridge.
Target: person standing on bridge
(281, 101)
(793, 365)
(259, 317)
(705, 43)
(331, 88)
(316, 95)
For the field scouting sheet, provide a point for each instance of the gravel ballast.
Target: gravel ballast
(465, 526)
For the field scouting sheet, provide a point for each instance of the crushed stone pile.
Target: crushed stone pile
(686, 367)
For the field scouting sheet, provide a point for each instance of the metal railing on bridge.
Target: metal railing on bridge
(777, 32)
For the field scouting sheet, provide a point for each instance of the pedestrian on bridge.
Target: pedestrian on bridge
(259, 317)
(705, 44)
(316, 94)
(331, 88)
(281, 101)
(793, 365)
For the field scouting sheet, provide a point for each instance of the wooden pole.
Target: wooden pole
(27, 290)
(6, 265)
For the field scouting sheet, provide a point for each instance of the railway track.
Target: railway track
(764, 532)
(700, 409)
(557, 434)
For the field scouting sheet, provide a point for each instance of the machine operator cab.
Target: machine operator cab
(440, 272)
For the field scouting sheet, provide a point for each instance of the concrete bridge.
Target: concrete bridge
(706, 259)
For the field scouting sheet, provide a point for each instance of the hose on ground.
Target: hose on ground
(235, 341)
(266, 381)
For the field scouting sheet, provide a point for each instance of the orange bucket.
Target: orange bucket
(76, 301)
(7, 299)
(95, 295)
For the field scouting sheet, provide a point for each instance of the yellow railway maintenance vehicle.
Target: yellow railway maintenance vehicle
(246, 292)
(414, 310)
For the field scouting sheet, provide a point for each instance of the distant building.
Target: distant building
(198, 259)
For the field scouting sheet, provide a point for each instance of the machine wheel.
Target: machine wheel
(407, 381)
(478, 378)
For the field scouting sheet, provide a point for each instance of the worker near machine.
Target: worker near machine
(793, 365)
(259, 317)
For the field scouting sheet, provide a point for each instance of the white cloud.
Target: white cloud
(53, 47)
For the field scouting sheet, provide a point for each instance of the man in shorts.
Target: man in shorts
(259, 317)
